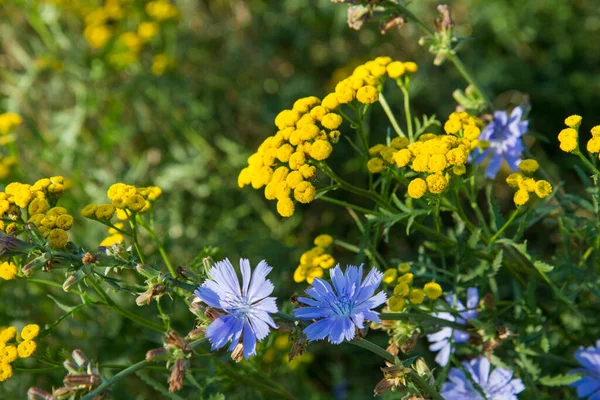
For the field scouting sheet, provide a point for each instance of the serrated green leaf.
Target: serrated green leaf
(542, 266)
(545, 344)
(474, 238)
(560, 380)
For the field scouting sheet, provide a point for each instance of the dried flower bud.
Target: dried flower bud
(146, 271)
(196, 334)
(71, 367)
(396, 22)
(212, 314)
(488, 301)
(174, 339)
(237, 354)
(410, 343)
(11, 246)
(503, 333)
(80, 358)
(392, 349)
(34, 265)
(72, 280)
(89, 258)
(38, 394)
(445, 22)
(177, 375)
(82, 381)
(357, 16)
(157, 355)
(143, 299)
(299, 347)
(196, 307)
(383, 386)
(61, 392)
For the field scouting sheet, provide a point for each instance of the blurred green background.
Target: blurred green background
(237, 63)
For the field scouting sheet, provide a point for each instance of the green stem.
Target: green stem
(161, 250)
(373, 348)
(353, 189)
(163, 316)
(424, 385)
(390, 115)
(407, 113)
(346, 204)
(127, 314)
(420, 317)
(469, 78)
(106, 384)
(506, 224)
(587, 162)
(58, 285)
(134, 237)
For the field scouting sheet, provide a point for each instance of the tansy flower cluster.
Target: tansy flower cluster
(436, 157)
(526, 184)
(129, 29)
(569, 137)
(36, 204)
(285, 163)
(404, 289)
(125, 201)
(8, 122)
(315, 260)
(13, 346)
(8, 270)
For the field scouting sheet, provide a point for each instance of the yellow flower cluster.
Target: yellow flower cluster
(284, 163)
(22, 347)
(315, 260)
(436, 157)
(8, 270)
(526, 184)
(8, 122)
(113, 19)
(37, 199)
(125, 200)
(404, 288)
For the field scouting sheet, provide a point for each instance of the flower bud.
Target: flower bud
(177, 375)
(146, 271)
(34, 265)
(71, 367)
(196, 334)
(72, 280)
(38, 394)
(157, 355)
(80, 358)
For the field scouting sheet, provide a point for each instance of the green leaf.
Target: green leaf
(545, 344)
(542, 266)
(62, 306)
(474, 238)
(560, 380)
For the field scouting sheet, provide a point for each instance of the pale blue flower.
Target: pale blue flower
(247, 309)
(589, 384)
(497, 385)
(504, 136)
(341, 311)
(444, 339)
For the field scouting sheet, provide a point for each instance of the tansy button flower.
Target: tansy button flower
(247, 308)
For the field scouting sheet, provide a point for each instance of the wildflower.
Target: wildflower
(521, 197)
(406, 278)
(331, 121)
(593, 145)
(402, 290)
(595, 131)
(341, 311)
(147, 30)
(320, 150)
(8, 354)
(247, 310)
(395, 69)
(504, 136)
(528, 166)
(495, 385)
(568, 139)
(514, 179)
(432, 290)
(417, 296)
(105, 211)
(5, 371)
(436, 183)
(89, 211)
(375, 165)
(402, 157)
(58, 238)
(417, 188)
(30, 331)
(444, 339)
(8, 271)
(543, 189)
(573, 121)
(26, 348)
(589, 384)
(390, 275)
(396, 303)
(323, 240)
(410, 67)
(305, 192)
(7, 334)
(367, 94)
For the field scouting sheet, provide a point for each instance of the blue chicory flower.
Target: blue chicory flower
(247, 310)
(497, 385)
(589, 384)
(444, 339)
(504, 136)
(341, 311)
